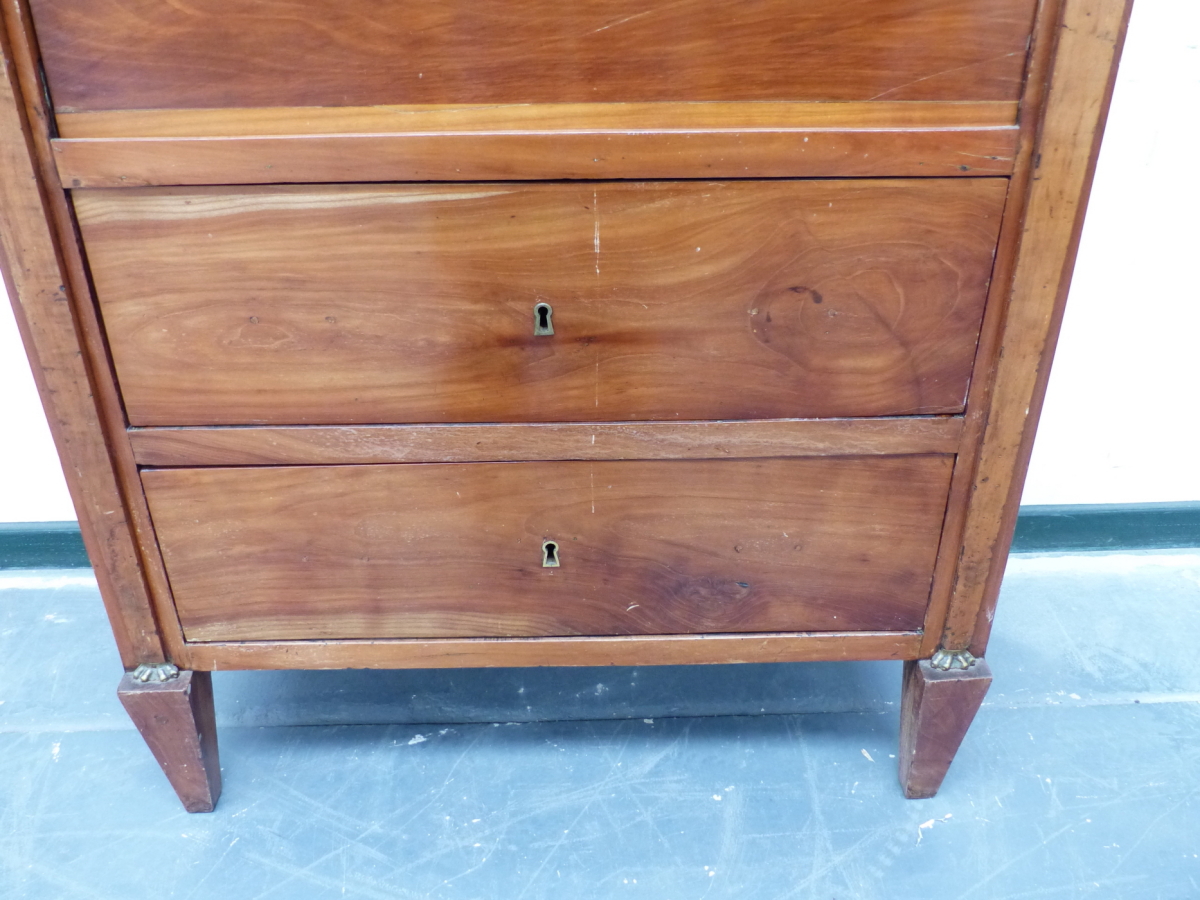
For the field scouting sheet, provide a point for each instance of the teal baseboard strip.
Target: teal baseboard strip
(41, 545)
(1115, 526)
(1040, 529)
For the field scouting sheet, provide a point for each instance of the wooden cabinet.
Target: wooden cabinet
(523, 333)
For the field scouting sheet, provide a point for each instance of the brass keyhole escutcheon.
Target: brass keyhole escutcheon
(550, 555)
(543, 320)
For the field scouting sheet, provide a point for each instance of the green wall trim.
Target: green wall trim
(1040, 529)
(1107, 526)
(41, 545)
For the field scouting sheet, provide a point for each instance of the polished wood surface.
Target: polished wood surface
(415, 304)
(147, 54)
(798, 153)
(1076, 105)
(533, 118)
(177, 721)
(625, 650)
(365, 444)
(936, 709)
(448, 550)
(962, 483)
(536, 141)
(49, 299)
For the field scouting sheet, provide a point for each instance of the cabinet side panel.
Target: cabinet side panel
(1089, 44)
(37, 283)
(1041, 58)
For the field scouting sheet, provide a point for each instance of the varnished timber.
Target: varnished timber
(176, 720)
(1041, 55)
(43, 293)
(645, 547)
(936, 709)
(325, 445)
(146, 54)
(92, 344)
(344, 305)
(534, 118)
(631, 650)
(535, 141)
(1089, 42)
(464, 156)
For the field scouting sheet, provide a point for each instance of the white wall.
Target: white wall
(1122, 417)
(1120, 422)
(31, 480)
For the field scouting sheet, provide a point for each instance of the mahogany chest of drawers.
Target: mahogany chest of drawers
(503, 333)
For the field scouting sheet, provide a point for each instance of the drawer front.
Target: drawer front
(644, 547)
(344, 305)
(155, 54)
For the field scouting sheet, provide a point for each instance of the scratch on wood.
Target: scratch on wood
(622, 21)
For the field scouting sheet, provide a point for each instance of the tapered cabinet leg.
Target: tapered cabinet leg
(936, 709)
(175, 716)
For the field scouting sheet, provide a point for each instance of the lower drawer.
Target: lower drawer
(643, 547)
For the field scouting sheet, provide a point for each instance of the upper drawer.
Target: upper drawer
(146, 54)
(343, 305)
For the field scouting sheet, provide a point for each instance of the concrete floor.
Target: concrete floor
(1079, 778)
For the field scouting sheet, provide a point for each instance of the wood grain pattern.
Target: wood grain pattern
(45, 296)
(463, 156)
(937, 708)
(1088, 47)
(531, 118)
(177, 721)
(146, 54)
(1041, 57)
(159, 621)
(449, 550)
(362, 445)
(414, 304)
(535, 141)
(628, 650)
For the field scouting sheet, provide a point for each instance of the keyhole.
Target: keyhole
(549, 555)
(542, 320)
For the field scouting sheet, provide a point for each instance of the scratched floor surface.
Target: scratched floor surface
(1080, 777)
